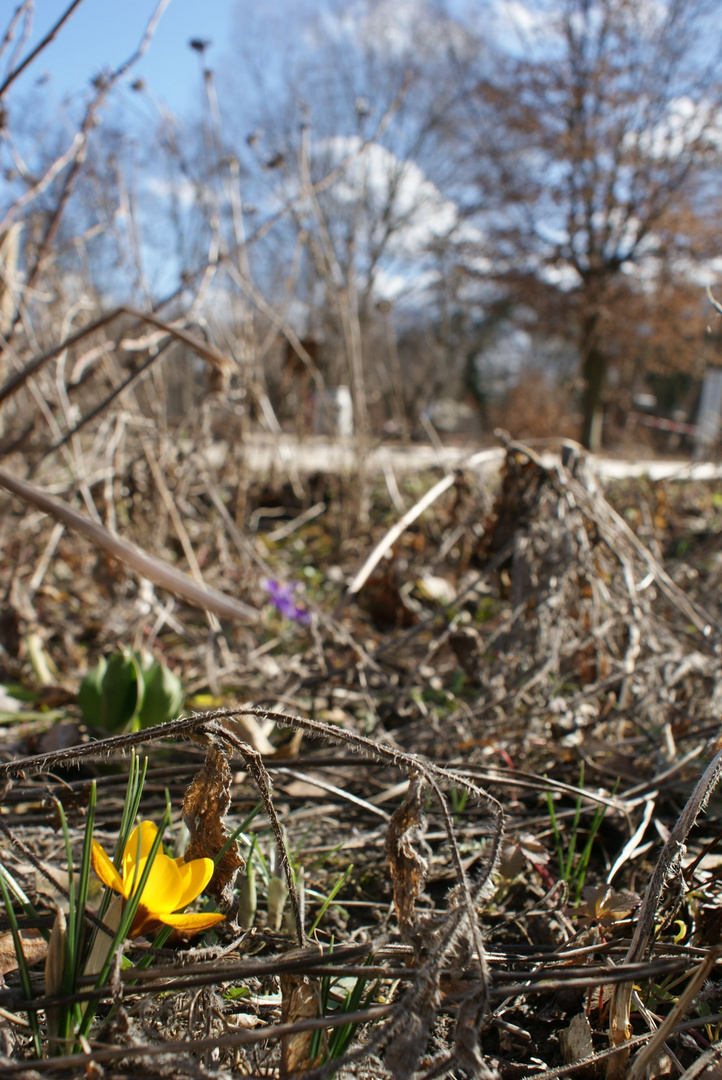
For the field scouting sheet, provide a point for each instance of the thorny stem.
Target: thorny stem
(421, 1000)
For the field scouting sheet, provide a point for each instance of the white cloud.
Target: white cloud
(531, 22)
(563, 277)
(397, 193)
(686, 122)
(393, 29)
(394, 285)
(398, 216)
(704, 274)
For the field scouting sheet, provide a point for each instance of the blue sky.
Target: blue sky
(103, 33)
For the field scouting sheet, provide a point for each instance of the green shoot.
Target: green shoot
(338, 1039)
(65, 1016)
(459, 800)
(239, 831)
(572, 866)
(22, 965)
(329, 899)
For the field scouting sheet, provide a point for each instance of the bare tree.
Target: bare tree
(596, 131)
(351, 139)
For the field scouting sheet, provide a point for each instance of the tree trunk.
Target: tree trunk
(594, 372)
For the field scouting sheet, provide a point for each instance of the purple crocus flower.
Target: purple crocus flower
(281, 596)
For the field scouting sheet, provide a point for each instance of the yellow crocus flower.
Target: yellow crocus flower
(172, 884)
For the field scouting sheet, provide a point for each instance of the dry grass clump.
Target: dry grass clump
(525, 692)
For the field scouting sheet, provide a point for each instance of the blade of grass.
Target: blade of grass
(237, 832)
(329, 899)
(71, 913)
(20, 896)
(131, 805)
(23, 971)
(262, 861)
(315, 1047)
(569, 864)
(341, 1037)
(580, 871)
(84, 881)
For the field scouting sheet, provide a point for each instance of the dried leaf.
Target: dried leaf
(408, 865)
(247, 1020)
(34, 950)
(205, 807)
(299, 1001)
(103, 941)
(576, 1040)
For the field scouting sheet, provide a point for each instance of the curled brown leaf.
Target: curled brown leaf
(408, 865)
(205, 807)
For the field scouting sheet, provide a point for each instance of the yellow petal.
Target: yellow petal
(194, 876)
(193, 924)
(142, 921)
(163, 888)
(138, 847)
(104, 869)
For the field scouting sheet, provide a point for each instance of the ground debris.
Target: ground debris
(488, 784)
